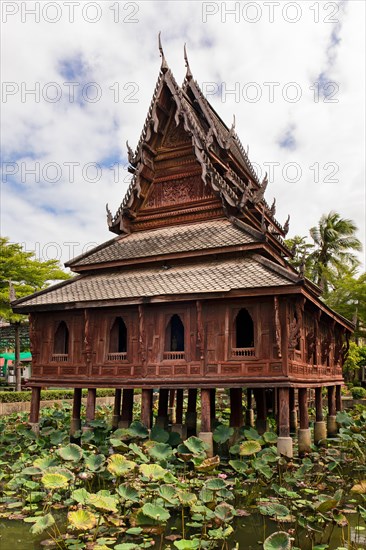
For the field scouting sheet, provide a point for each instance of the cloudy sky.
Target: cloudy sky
(78, 77)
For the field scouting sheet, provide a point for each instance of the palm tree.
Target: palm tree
(336, 241)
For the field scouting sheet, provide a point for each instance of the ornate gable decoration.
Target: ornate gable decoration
(186, 154)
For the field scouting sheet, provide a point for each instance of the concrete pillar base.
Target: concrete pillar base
(249, 418)
(304, 440)
(332, 427)
(180, 429)
(293, 421)
(123, 424)
(115, 421)
(207, 438)
(34, 426)
(285, 447)
(320, 431)
(75, 425)
(261, 425)
(162, 422)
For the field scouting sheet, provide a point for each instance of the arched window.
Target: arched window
(118, 337)
(174, 337)
(244, 330)
(61, 340)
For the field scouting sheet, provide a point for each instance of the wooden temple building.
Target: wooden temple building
(194, 292)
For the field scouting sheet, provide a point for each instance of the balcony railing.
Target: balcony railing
(60, 357)
(174, 355)
(120, 356)
(243, 352)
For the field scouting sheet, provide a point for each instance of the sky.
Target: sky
(77, 81)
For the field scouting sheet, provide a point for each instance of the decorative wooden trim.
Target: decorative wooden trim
(277, 325)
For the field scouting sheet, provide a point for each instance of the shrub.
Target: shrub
(358, 392)
(48, 395)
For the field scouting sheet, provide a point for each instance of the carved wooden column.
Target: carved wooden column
(304, 437)
(331, 418)
(90, 405)
(146, 408)
(284, 443)
(116, 408)
(171, 408)
(34, 409)
(75, 424)
(191, 414)
(162, 419)
(236, 407)
(249, 413)
(206, 433)
(293, 411)
(127, 408)
(320, 428)
(261, 418)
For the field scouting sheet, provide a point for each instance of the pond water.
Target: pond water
(249, 533)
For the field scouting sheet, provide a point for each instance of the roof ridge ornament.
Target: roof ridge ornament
(260, 193)
(286, 227)
(231, 135)
(189, 75)
(130, 153)
(164, 65)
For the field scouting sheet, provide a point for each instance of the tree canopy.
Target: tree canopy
(22, 274)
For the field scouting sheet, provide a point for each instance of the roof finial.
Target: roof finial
(188, 73)
(164, 66)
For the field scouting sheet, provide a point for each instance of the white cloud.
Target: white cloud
(124, 55)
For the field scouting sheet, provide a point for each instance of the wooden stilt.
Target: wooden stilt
(179, 407)
(320, 429)
(116, 408)
(191, 415)
(304, 438)
(213, 406)
(331, 419)
(261, 420)
(162, 419)
(236, 407)
(34, 409)
(90, 404)
(249, 413)
(284, 442)
(171, 408)
(206, 433)
(75, 425)
(338, 398)
(146, 408)
(127, 408)
(293, 411)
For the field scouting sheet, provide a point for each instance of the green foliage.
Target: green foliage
(278, 541)
(26, 274)
(356, 358)
(48, 395)
(358, 392)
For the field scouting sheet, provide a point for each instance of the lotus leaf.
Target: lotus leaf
(118, 465)
(224, 512)
(137, 451)
(248, 448)
(360, 488)
(274, 509)
(215, 484)
(186, 499)
(54, 481)
(42, 523)
(184, 453)
(71, 452)
(252, 435)
(326, 505)
(103, 502)
(160, 451)
(222, 433)
(32, 471)
(239, 466)
(82, 520)
(195, 445)
(208, 464)
(277, 541)
(59, 470)
(168, 493)
(156, 512)
(270, 437)
(94, 462)
(127, 546)
(153, 471)
(118, 444)
(185, 544)
(137, 429)
(44, 462)
(80, 495)
(174, 439)
(205, 495)
(159, 435)
(128, 493)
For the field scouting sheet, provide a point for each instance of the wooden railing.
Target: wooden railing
(60, 357)
(243, 352)
(174, 355)
(119, 356)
